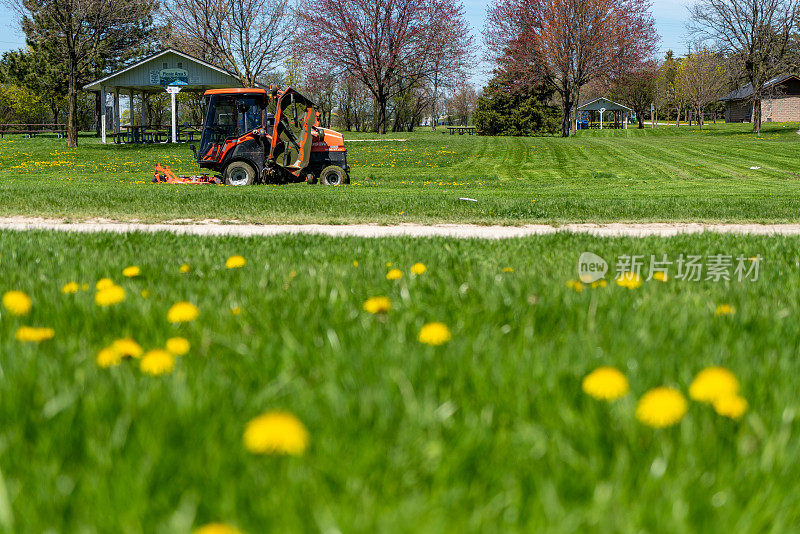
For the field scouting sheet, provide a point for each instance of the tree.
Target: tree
(249, 38)
(757, 34)
(567, 43)
(701, 79)
(39, 75)
(390, 46)
(464, 101)
(636, 87)
(83, 35)
(510, 108)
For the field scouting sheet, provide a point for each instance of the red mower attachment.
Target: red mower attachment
(163, 175)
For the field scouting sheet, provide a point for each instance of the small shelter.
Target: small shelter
(609, 114)
(155, 74)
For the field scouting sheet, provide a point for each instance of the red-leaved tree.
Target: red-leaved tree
(390, 46)
(567, 43)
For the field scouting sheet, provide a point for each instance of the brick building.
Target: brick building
(780, 103)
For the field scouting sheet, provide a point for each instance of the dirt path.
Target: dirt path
(462, 231)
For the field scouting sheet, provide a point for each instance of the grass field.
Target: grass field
(489, 432)
(666, 174)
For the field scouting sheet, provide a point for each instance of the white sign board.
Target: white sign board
(173, 89)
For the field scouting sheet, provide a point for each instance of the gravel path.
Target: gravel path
(462, 231)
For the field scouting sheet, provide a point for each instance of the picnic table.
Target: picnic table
(31, 130)
(141, 133)
(461, 130)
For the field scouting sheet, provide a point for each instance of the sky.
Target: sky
(671, 18)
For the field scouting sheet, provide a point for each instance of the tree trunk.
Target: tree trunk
(381, 126)
(565, 118)
(72, 113)
(757, 115)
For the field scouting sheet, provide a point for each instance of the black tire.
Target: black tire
(311, 179)
(333, 175)
(239, 173)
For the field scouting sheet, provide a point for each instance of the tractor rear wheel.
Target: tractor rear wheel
(239, 173)
(333, 175)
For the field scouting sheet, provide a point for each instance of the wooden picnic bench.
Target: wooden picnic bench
(32, 130)
(461, 130)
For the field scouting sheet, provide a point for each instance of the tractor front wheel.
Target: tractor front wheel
(239, 173)
(333, 175)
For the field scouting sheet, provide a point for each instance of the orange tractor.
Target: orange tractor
(253, 136)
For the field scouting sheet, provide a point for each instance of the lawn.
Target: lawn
(489, 432)
(721, 173)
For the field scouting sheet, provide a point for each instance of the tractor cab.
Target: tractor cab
(255, 136)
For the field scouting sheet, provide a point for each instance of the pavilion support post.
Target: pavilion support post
(601, 120)
(103, 113)
(130, 102)
(174, 118)
(117, 118)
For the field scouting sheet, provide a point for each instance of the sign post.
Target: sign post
(602, 111)
(173, 89)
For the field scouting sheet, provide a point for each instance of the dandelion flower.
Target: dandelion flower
(34, 334)
(576, 285)
(418, 268)
(109, 296)
(713, 383)
(236, 310)
(732, 406)
(127, 348)
(178, 346)
(630, 280)
(70, 287)
(185, 268)
(606, 383)
(132, 271)
(157, 362)
(599, 283)
(104, 283)
(388, 264)
(216, 528)
(375, 305)
(661, 276)
(108, 357)
(182, 312)
(725, 309)
(434, 334)
(661, 407)
(17, 302)
(355, 263)
(394, 274)
(276, 433)
(508, 269)
(235, 262)
(145, 294)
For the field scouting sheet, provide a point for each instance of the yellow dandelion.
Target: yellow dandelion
(732, 406)
(157, 362)
(375, 305)
(126, 348)
(599, 283)
(661, 407)
(70, 287)
(713, 383)
(17, 302)
(132, 271)
(575, 284)
(630, 280)
(145, 294)
(216, 528)
(236, 310)
(394, 274)
(388, 264)
(418, 268)
(355, 263)
(508, 269)
(661, 276)
(725, 309)
(606, 383)
(109, 296)
(108, 357)
(276, 433)
(235, 262)
(104, 283)
(34, 334)
(434, 334)
(185, 268)
(178, 346)
(182, 312)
